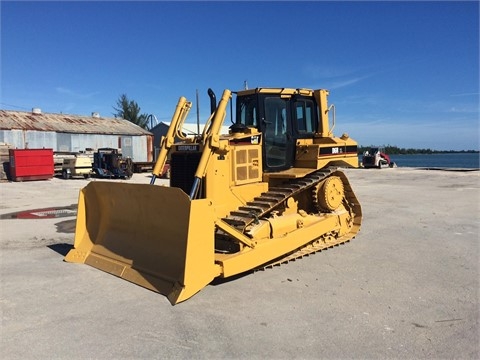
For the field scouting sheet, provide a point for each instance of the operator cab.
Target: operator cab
(282, 116)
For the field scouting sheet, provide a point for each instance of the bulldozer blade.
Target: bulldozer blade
(153, 236)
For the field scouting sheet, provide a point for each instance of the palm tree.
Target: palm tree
(129, 110)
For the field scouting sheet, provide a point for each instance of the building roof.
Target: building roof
(63, 123)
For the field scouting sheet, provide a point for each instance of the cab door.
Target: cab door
(279, 142)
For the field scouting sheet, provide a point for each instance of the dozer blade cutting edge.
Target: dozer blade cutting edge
(153, 236)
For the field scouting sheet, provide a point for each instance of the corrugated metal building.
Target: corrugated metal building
(73, 133)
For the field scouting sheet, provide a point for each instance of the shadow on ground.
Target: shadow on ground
(62, 248)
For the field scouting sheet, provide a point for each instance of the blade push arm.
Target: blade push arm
(181, 112)
(211, 141)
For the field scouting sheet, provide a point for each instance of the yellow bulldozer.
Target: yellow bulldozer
(267, 192)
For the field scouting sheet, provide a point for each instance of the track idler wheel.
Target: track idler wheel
(329, 194)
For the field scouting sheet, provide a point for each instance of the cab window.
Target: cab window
(277, 154)
(247, 111)
(305, 117)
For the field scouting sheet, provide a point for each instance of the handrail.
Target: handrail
(330, 130)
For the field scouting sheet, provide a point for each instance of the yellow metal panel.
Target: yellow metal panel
(292, 173)
(276, 247)
(128, 231)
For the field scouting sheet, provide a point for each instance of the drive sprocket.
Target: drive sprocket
(328, 195)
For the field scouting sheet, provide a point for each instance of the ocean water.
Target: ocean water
(454, 160)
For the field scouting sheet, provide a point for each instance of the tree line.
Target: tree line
(395, 150)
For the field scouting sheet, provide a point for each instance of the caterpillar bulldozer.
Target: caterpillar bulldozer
(267, 192)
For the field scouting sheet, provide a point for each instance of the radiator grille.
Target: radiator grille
(247, 164)
(183, 166)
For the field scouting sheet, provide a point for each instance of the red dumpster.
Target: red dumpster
(31, 164)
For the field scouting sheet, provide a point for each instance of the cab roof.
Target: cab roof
(279, 91)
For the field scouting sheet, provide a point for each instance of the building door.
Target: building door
(125, 144)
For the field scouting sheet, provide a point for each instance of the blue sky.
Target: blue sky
(399, 73)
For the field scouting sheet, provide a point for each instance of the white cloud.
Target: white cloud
(66, 91)
(336, 84)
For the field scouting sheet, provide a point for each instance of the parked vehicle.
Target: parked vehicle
(109, 163)
(78, 166)
(376, 158)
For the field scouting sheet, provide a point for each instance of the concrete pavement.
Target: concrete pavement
(407, 287)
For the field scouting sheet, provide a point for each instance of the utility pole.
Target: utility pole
(198, 116)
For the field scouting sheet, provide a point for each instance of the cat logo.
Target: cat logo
(188, 148)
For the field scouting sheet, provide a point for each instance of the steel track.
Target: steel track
(267, 202)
